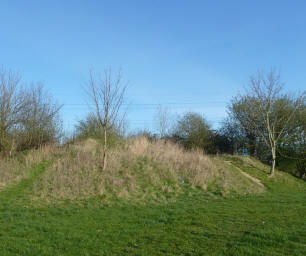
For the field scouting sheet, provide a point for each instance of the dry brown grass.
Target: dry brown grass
(13, 169)
(10, 169)
(137, 169)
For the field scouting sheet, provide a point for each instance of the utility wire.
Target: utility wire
(152, 104)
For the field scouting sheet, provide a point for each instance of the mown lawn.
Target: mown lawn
(273, 223)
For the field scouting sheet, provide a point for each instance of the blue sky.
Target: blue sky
(186, 55)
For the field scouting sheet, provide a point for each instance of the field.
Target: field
(196, 222)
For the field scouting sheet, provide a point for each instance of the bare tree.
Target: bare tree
(107, 94)
(39, 123)
(266, 112)
(163, 120)
(11, 104)
(29, 117)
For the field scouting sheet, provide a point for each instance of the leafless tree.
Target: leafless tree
(266, 112)
(29, 117)
(11, 105)
(39, 123)
(163, 120)
(106, 93)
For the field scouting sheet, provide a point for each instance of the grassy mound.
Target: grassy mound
(139, 170)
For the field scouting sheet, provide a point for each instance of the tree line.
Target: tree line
(263, 122)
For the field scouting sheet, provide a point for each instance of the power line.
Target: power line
(152, 104)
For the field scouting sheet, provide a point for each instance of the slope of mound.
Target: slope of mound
(257, 181)
(138, 169)
(260, 172)
(14, 169)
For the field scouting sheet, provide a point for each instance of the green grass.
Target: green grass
(271, 223)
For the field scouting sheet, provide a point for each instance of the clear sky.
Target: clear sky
(183, 54)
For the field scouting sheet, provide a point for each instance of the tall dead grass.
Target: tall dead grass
(136, 169)
(13, 169)
(193, 166)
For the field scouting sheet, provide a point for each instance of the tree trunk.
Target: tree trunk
(104, 150)
(273, 162)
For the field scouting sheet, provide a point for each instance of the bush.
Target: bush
(89, 128)
(192, 131)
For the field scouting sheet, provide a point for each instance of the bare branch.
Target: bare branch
(107, 94)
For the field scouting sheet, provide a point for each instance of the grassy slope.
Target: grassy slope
(138, 170)
(271, 223)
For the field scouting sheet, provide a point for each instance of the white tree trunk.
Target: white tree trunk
(104, 150)
(273, 162)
